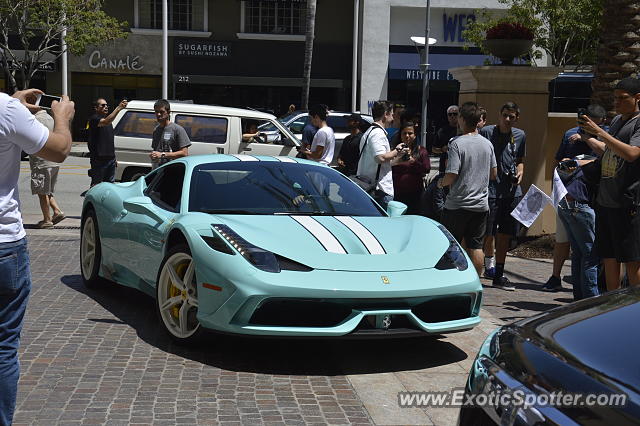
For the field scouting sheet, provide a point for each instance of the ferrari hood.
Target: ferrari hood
(343, 242)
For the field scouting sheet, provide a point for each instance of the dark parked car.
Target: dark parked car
(586, 348)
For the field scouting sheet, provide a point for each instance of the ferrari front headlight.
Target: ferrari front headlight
(454, 257)
(260, 258)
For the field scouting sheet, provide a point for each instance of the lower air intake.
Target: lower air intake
(443, 309)
(299, 313)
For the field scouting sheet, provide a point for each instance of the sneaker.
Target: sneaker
(503, 283)
(552, 284)
(490, 272)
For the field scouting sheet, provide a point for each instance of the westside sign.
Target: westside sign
(197, 48)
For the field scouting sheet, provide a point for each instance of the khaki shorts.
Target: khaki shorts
(561, 232)
(43, 180)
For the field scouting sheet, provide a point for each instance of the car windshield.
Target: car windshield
(276, 188)
(286, 118)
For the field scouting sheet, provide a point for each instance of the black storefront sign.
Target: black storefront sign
(42, 66)
(198, 48)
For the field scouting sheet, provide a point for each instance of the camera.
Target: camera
(512, 174)
(45, 101)
(406, 157)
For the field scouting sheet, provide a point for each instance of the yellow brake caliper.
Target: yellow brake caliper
(175, 291)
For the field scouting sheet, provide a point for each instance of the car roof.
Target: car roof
(202, 109)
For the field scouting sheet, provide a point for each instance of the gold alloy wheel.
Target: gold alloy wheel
(177, 295)
(88, 248)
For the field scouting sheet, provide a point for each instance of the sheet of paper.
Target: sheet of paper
(530, 206)
(559, 191)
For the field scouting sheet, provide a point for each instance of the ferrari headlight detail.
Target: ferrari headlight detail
(260, 258)
(454, 257)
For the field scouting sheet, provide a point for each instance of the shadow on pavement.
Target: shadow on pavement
(532, 306)
(326, 357)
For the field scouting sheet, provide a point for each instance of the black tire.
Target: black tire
(89, 268)
(172, 315)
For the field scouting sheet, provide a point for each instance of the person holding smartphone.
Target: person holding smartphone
(102, 154)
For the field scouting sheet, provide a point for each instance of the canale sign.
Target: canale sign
(123, 63)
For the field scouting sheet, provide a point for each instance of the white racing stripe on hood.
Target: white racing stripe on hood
(322, 234)
(286, 160)
(368, 239)
(243, 157)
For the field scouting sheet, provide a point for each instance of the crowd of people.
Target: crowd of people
(473, 195)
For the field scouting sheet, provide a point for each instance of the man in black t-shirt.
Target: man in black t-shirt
(101, 150)
(350, 150)
(445, 134)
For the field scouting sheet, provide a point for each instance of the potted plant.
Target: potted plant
(508, 40)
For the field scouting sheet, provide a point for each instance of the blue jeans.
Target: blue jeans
(15, 285)
(579, 220)
(102, 170)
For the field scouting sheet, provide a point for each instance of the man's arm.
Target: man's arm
(625, 151)
(493, 173)
(106, 121)
(596, 146)
(176, 154)
(58, 144)
(447, 180)
(314, 155)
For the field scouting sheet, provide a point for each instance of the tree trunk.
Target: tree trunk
(308, 52)
(618, 50)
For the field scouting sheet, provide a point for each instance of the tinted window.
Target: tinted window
(204, 129)
(338, 123)
(136, 124)
(166, 190)
(276, 188)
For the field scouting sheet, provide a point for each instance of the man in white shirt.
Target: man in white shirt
(20, 131)
(376, 156)
(324, 141)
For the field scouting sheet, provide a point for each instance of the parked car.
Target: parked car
(275, 246)
(588, 348)
(211, 129)
(297, 120)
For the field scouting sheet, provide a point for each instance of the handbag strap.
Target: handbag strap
(366, 140)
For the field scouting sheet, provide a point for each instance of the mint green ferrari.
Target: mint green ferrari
(275, 246)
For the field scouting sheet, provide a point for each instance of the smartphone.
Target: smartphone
(45, 101)
(581, 112)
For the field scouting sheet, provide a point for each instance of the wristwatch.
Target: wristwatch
(163, 156)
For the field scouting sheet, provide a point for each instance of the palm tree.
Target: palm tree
(619, 49)
(308, 52)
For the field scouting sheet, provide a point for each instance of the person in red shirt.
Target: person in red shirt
(410, 170)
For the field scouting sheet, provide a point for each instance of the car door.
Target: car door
(208, 134)
(147, 230)
(278, 142)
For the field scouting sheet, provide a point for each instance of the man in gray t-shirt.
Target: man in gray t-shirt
(471, 164)
(170, 140)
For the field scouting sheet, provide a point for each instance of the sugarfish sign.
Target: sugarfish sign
(202, 49)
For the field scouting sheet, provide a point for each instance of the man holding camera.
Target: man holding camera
(376, 156)
(618, 201)
(102, 154)
(571, 146)
(509, 144)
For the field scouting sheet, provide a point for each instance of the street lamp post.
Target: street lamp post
(425, 76)
(165, 50)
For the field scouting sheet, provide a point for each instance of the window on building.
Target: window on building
(184, 15)
(275, 17)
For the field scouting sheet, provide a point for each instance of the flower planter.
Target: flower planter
(507, 49)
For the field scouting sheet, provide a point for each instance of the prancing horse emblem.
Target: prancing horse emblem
(385, 280)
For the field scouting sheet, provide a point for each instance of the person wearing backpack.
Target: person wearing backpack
(617, 235)
(376, 157)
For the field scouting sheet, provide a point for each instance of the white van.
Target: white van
(211, 129)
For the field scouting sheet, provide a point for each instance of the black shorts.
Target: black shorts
(499, 219)
(466, 224)
(618, 234)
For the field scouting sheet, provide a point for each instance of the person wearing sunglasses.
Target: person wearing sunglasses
(445, 134)
(102, 154)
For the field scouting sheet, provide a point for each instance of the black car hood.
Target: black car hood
(598, 335)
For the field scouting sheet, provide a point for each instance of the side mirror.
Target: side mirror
(142, 205)
(396, 208)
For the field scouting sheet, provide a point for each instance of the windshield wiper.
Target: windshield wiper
(227, 211)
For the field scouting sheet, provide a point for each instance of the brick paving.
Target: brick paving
(100, 357)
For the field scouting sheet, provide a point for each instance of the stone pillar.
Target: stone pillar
(493, 86)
